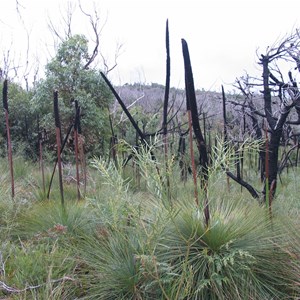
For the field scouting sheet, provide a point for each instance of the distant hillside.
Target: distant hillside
(148, 101)
(151, 98)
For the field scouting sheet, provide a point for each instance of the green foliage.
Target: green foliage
(38, 271)
(147, 121)
(112, 176)
(117, 268)
(241, 255)
(67, 73)
(120, 243)
(22, 121)
(114, 204)
(47, 220)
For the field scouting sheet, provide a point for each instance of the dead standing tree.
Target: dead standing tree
(287, 91)
(194, 121)
(281, 99)
(9, 147)
(165, 109)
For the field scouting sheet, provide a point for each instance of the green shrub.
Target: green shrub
(38, 271)
(241, 255)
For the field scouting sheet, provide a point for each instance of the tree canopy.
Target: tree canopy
(69, 74)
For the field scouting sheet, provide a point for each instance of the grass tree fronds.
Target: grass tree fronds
(122, 267)
(58, 144)
(191, 100)
(111, 175)
(9, 147)
(237, 257)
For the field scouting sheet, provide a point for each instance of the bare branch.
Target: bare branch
(53, 29)
(108, 68)
(97, 29)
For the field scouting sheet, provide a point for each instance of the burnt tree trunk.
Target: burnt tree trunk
(165, 111)
(192, 108)
(274, 144)
(9, 146)
(275, 125)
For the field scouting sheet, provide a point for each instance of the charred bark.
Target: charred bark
(193, 112)
(165, 110)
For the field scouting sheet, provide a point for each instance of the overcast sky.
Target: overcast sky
(223, 35)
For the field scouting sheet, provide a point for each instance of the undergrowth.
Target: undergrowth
(128, 239)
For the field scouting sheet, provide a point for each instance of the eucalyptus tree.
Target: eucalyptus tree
(71, 74)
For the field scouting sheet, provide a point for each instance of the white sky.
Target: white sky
(223, 35)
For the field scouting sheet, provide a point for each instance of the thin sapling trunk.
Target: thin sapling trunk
(58, 144)
(56, 161)
(9, 147)
(225, 134)
(76, 125)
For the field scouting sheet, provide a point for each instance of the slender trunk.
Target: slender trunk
(165, 111)
(194, 171)
(9, 147)
(42, 166)
(58, 143)
(274, 145)
(77, 152)
(56, 161)
(225, 135)
(113, 140)
(181, 155)
(267, 187)
(297, 154)
(129, 116)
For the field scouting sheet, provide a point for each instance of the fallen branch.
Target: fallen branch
(9, 289)
(245, 184)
